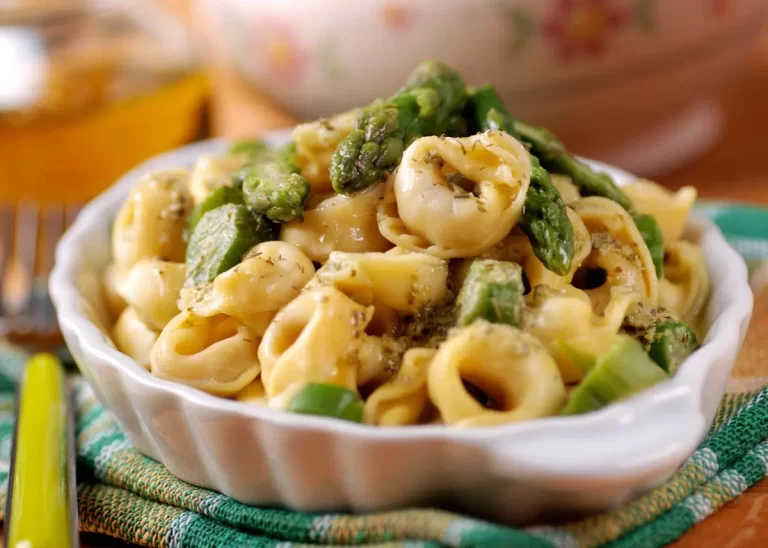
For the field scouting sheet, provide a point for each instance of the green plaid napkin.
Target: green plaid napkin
(129, 496)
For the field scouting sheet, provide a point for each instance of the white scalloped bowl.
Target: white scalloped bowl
(514, 473)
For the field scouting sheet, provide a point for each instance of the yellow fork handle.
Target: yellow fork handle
(40, 514)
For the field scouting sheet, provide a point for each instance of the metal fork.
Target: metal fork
(28, 235)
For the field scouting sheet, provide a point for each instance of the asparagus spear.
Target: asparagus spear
(556, 159)
(545, 219)
(430, 103)
(272, 185)
(328, 400)
(492, 291)
(654, 239)
(667, 340)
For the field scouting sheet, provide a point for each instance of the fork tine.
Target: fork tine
(43, 313)
(6, 244)
(25, 258)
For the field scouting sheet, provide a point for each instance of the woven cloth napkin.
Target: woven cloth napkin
(131, 497)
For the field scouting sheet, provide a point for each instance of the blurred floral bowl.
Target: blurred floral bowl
(638, 76)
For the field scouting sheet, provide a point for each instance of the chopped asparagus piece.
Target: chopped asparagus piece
(328, 400)
(220, 239)
(672, 343)
(545, 219)
(667, 340)
(625, 370)
(654, 239)
(492, 291)
(431, 103)
(250, 147)
(273, 186)
(219, 197)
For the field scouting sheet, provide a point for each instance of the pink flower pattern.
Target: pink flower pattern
(280, 50)
(583, 28)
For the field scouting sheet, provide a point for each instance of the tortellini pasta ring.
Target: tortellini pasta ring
(152, 287)
(512, 367)
(151, 222)
(670, 210)
(216, 354)
(601, 215)
(133, 338)
(402, 400)
(270, 276)
(456, 198)
(310, 341)
(403, 282)
(339, 223)
(685, 288)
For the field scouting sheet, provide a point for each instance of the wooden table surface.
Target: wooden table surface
(735, 169)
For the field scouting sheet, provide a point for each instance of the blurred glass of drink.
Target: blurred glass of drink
(88, 89)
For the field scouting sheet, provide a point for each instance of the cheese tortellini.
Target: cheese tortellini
(270, 276)
(407, 263)
(216, 354)
(315, 144)
(310, 341)
(512, 368)
(456, 197)
(151, 222)
(152, 288)
(339, 223)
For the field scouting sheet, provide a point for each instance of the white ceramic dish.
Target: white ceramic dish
(513, 473)
(631, 82)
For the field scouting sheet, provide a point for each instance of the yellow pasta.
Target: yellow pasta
(133, 338)
(670, 209)
(216, 354)
(456, 198)
(618, 249)
(271, 275)
(685, 287)
(338, 223)
(511, 367)
(109, 281)
(253, 394)
(402, 282)
(151, 222)
(212, 172)
(371, 305)
(315, 144)
(565, 318)
(564, 185)
(309, 341)
(402, 400)
(152, 288)
(377, 358)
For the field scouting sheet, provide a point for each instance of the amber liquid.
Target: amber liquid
(69, 151)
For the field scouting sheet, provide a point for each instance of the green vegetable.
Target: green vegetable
(654, 239)
(328, 400)
(219, 197)
(220, 239)
(545, 219)
(625, 370)
(667, 340)
(556, 159)
(671, 343)
(272, 185)
(431, 103)
(251, 147)
(492, 291)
